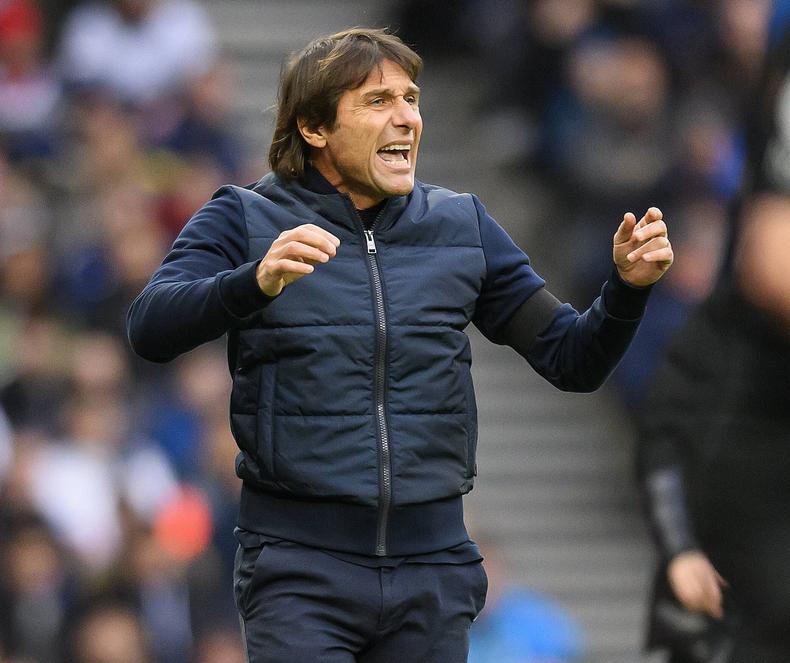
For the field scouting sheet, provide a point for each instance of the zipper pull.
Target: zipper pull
(370, 242)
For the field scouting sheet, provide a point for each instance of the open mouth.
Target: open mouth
(396, 155)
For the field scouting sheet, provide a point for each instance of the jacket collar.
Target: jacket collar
(316, 182)
(316, 193)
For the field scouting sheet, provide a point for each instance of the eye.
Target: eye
(377, 101)
(411, 99)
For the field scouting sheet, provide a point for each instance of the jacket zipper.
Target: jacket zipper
(379, 380)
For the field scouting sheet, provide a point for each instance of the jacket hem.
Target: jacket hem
(413, 529)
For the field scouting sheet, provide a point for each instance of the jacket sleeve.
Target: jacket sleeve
(671, 440)
(573, 351)
(203, 288)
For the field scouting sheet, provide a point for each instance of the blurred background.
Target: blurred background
(118, 119)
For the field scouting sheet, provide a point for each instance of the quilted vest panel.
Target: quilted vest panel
(302, 408)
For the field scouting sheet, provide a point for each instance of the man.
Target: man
(713, 457)
(344, 286)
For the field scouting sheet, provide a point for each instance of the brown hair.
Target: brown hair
(314, 80)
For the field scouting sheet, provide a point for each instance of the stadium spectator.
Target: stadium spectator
(34, 590)
(29, 90)
(520, 625)
(138, 50)
(608, 139)
(109, 631)
(35, 384)
(199, 129)
(220, 647)
(25, 217)
(6, 445)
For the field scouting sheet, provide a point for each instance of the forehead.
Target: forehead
(387, 75)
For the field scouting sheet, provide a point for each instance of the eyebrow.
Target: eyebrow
(411, 89)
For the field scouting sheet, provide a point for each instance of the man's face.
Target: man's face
(371, 153)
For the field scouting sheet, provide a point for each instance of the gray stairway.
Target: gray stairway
(554, 486)
(554, 480)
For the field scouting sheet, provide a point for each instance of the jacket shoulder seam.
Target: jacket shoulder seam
(243, 213)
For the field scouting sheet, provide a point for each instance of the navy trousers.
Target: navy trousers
(302, 605)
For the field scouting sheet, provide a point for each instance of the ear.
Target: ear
(313, 137)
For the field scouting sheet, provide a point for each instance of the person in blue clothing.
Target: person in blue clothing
(344, 286)
(521, 624)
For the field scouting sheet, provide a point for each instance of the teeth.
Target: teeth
(395, 148)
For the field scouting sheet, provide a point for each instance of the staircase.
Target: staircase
(555, 488)
(555, 482)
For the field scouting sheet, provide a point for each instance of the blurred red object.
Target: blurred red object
(19, 19)
(183, 527)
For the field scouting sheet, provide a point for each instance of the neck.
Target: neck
(333, 178)
(317, 180)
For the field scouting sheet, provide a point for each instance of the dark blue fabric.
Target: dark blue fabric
(187, 301)
(509, 280)
(302, 604)
(463, 553)
(303, 363)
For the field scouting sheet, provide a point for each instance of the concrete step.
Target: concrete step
(251, 27)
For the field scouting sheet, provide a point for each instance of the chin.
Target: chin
(400, 188)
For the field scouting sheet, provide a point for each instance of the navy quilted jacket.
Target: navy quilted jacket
(352, 400)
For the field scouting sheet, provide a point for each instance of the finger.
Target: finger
(657, 228)
(312, 238)
(661, 255)
(712, 593)
(300, 250)
(321, 232)
(714, 603)
(652, 214)
(650, 246)
(721, 580)
(625, 229)
(286, 266)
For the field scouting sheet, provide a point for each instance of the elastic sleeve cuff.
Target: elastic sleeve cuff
(622, 300)
(240, 293)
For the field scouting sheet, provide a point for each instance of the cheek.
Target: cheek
(360, 152)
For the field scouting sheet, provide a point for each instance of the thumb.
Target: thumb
(626, 228)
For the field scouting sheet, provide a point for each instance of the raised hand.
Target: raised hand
(292, 256)
(642, 251)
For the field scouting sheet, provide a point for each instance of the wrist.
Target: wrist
(240, 291)
(268, 286)
(623, 300)
(623, 275)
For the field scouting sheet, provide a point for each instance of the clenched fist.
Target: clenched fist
(292, 256)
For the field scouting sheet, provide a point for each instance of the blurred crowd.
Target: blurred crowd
(117, 485)
(614, 105)
(117, 492)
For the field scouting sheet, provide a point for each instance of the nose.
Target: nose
(406, 114)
